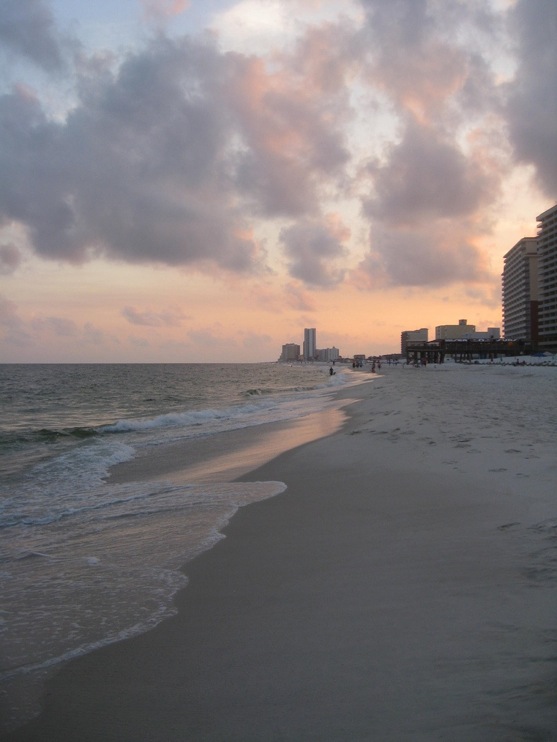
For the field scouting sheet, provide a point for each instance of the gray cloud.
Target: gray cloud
(169, 154)
(314, 249)
(443, 168)
(532, 101)
(10, 258)
(423, 206)
(59, 326)
(138, 171)
(12, 327)
(291, 134)
(145, 166)
(27, 29)
(426, 176)
(434, 255)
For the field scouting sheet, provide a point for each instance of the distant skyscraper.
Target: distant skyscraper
(547, 268)
(310, 343)
(520, 291)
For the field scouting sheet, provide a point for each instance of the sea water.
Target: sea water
(83, 561)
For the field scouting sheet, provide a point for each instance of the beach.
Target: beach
(402, 587)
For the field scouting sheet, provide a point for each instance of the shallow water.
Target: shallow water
(86, 560)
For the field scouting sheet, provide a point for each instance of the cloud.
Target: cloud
(171, 317)
(158, 10)
(299, 299)
(290, 136)
(27, 29)
(435, 254)
(8, 311)
(10, 258)
(12, 327)
(167, 158)
(426, 176)
(532, 95)
(427, 197)
(314, 249)
(60, 326)
(138, 171)
(435, 62)
(177, 152)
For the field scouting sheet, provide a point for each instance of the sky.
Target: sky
(200, 180)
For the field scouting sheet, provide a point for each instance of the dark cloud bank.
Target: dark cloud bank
(170, 155)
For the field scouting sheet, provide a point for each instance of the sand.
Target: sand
(402, 588)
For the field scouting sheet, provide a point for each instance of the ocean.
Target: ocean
(85, 561)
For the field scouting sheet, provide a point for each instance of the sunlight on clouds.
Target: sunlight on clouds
(263, 26)
(252, 24)
(225, 173)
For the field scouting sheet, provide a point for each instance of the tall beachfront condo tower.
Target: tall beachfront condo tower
(547, 267)
(520, 291)
(310, 345)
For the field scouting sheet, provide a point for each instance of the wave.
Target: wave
(190, 418)
(79, 432)
(45, 436)
(262, 400)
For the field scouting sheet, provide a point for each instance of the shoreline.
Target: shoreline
(228, 455)
(391, 592)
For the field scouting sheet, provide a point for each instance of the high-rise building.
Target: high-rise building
(290, 352)
(310, 343)
(328, 354)
(547, 269)
(407, 337)
(520, 291)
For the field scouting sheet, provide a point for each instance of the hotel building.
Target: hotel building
(454, 332)
(520, 291)
(547, 267)
(407, 337)
(290, 352)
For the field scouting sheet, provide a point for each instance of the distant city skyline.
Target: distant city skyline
(194, 181)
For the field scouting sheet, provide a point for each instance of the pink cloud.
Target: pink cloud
(159, 9)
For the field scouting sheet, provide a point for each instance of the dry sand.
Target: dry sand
(402, 588)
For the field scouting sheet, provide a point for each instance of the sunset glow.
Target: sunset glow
(199, 181)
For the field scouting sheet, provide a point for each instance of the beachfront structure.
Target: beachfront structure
(465, 349)
(454, 332)
(492, 333)
(290, 352)
(408, 337)
(547, 269)
(310, 345)
(328, 355)
(521, 291)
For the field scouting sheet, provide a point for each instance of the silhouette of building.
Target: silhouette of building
(454, 332)
(290, 352)
(407, 337)
(310, 344)
(521, 291)
(547, 273)
(328, 354)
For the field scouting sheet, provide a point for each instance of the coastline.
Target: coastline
(227, 456)
(394, 591)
